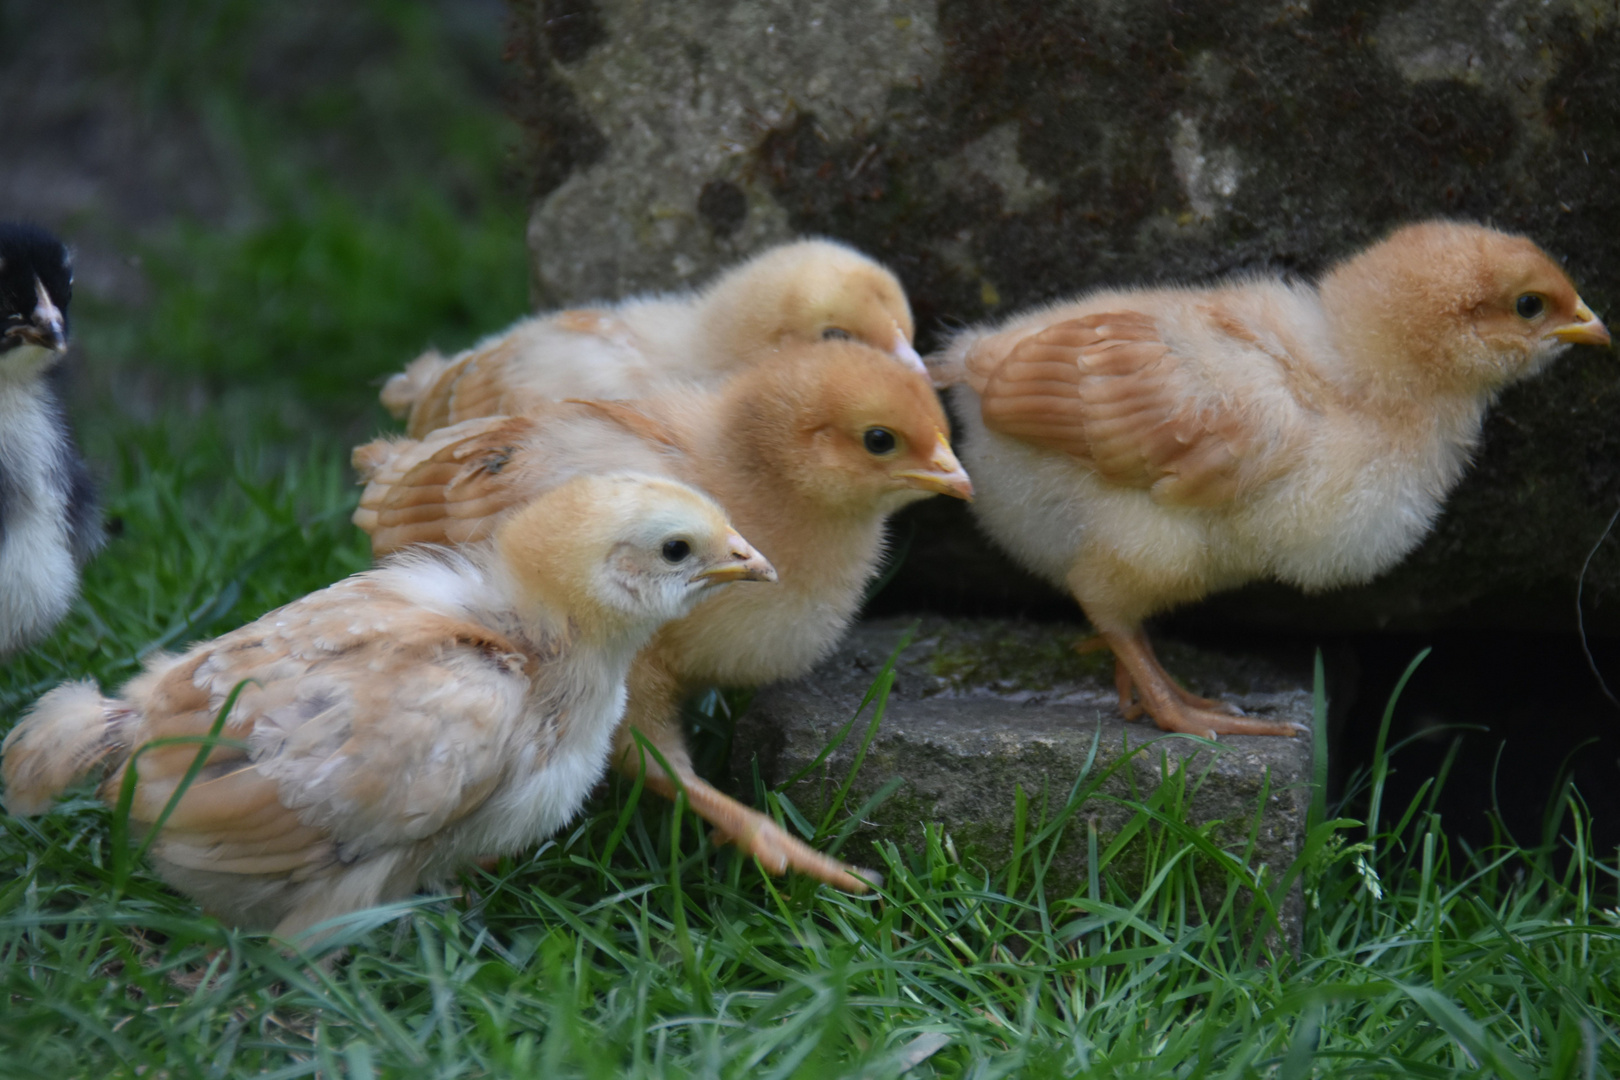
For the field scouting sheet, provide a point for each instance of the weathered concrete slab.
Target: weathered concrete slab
(981, 706)
(1000, 155)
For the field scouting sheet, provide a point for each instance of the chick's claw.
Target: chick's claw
(756, 834)
(778, 852)
(1128, 705)
(1211, 724)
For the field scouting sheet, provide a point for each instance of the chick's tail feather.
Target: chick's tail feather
(401, 392)
(67, 733)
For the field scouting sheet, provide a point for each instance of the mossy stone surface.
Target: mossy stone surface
(1000, 155)
(981, 707)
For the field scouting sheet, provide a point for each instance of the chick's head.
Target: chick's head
(36, 285)
(813, 290)
(847, 428)
(1470, 308)
(612, 552)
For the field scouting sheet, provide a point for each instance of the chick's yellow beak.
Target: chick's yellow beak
(945, 475)
(743, 563)
(1589, 331)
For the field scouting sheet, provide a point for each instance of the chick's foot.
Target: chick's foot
(1145, 687)
(756, 834)
(1129, 704)
(1176, 716)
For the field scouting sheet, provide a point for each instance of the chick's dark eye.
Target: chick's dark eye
(676, 550)
(834, 333)
(878, 440)
(1529, 305)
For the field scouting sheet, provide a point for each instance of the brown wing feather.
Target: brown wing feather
(370, 721)
(431, 406)
(484, 387)
(472, 385)
(454, 485)
(1107, 390)
(447, 489)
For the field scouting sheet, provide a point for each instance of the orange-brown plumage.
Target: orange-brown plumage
(793, 294)
(396, 725)
(1144, 448)
(783, 446)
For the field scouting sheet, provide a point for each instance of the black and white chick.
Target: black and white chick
(49, 521)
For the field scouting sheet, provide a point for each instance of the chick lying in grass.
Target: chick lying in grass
(395, 726)
(812, 290)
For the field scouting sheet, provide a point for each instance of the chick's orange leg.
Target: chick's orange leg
(751, 831)
(1129, 706)
(1167, 703)
(756, 834)
(1187, 696)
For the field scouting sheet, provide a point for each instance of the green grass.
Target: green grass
(629, 946)
(330, 298)
(369, 209)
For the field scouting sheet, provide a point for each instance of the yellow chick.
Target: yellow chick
(809, 454)
(812, 290)
(1144, 448)
(402, 722)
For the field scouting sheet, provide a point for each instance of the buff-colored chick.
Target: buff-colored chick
(401, 722)
(812, 290)
(809, 455)
(1142, 449)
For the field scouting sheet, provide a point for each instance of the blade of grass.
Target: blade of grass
(126, 790)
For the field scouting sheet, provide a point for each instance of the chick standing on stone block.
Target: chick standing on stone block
(812, 290)
(1145, 448)
(402, 722)
(49, 523)
(809, 454)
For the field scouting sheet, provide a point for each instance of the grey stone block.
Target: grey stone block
(1000, 155)
(980, 706)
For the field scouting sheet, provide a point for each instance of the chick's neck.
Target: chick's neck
(1397, 365)
(1409, 325)
(548, 591)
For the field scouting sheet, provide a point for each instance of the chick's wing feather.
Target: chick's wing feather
(448, 488)
(476, 384)
(1108, 390)
(368, 721)
(452, 486)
